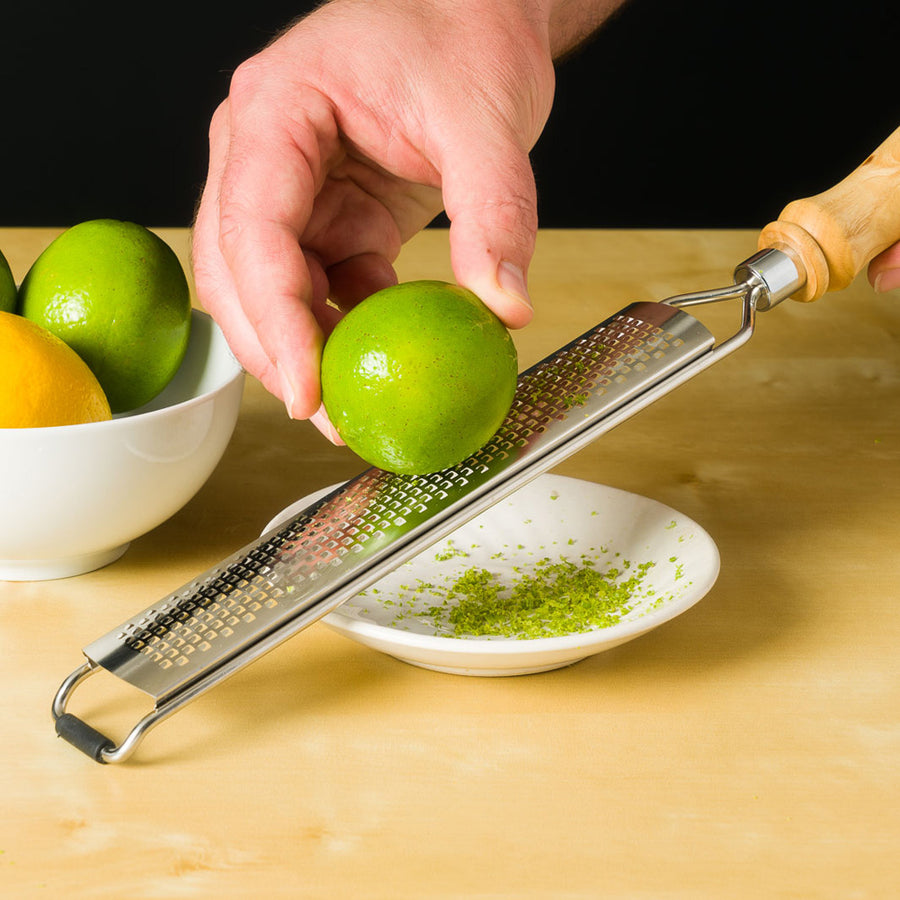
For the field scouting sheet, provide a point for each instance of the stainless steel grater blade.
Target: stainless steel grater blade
(293, 575)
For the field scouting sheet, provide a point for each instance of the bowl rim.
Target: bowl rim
(121, 420)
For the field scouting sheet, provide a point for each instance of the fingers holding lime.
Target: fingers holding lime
(418, 376)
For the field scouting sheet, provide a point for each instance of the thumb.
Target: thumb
(491, 201)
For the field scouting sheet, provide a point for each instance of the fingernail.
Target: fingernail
(320, 419)
(888, 280)
(512, 280)
(287, 390)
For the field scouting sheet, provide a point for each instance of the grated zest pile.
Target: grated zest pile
(555, 598)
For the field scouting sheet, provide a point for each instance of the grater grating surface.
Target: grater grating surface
(344, 542)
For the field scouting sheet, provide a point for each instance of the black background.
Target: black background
(702, 114)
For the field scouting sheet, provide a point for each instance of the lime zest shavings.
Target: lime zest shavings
(546, 597)
(450, 552)
(556, 598)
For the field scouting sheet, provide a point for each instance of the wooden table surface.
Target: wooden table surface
(749, 748)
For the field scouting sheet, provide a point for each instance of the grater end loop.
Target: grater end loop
(83, 737)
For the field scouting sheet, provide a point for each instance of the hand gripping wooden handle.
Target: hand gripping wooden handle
(834, 235)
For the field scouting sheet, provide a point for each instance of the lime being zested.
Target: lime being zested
(418, 376)
(117, 294)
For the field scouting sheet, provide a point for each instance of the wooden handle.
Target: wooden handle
(834, 235)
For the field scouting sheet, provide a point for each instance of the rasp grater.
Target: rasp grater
(293, 575)
(290, 577)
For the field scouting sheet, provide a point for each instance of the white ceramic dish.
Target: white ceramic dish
(72, 498)
(553, 516)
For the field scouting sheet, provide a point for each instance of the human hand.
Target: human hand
(884, 269)
(345, 137)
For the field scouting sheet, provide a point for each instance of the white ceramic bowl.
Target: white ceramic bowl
(72, 498)
(551, 517)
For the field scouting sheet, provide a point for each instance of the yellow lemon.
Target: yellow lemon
(43, 381)
(117, 294)
(418, 376)
(7, 287)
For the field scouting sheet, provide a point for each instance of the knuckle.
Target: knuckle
(246, 80)
(514, 216)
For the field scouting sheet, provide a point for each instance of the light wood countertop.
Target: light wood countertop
(750, 748)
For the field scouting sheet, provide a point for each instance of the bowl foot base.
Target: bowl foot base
(48, 569)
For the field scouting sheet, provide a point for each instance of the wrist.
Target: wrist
(570, 22)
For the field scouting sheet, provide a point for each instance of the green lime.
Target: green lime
(117, 294)
(7, 287)
(418, 376)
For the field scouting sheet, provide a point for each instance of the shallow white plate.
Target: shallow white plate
(553, 517)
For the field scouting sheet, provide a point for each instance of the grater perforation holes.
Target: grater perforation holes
(290, 568)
